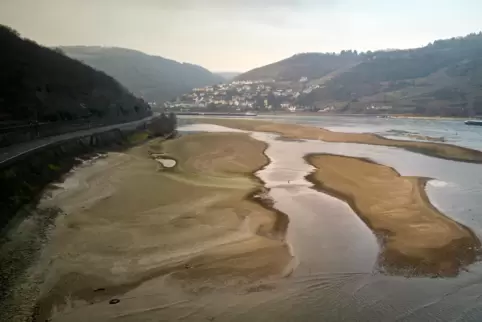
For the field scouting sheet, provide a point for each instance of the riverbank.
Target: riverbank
(417, 239)
(198, 225)
(296, 131)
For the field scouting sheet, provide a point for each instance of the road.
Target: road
(10, 153)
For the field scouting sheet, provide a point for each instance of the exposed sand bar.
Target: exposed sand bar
(417, 238)
(128, 220)
(296, 131)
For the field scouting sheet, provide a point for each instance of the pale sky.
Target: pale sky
(238, 35)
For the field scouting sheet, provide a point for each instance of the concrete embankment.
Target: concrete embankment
(25, 176)
(129, 223)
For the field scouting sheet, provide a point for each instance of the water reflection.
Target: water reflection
(335, 279)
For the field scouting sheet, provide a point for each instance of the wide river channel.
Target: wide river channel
(336, 276)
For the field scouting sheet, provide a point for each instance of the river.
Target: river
(335, 274)
(453, 131)
(336, 277)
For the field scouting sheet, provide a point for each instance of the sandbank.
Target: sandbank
(128, 220)
(416, 238)
(296, 131)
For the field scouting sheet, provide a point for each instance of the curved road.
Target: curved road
(12, 152)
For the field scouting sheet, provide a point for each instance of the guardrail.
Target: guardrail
(10, 153)
(11, 135)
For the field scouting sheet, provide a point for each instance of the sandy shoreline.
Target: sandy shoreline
(417, 239)
(399, 116)
(167, 221)
(200, 224)
(296, 131)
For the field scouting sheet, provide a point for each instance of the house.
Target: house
(380, 108)
(285, 105)
(327, 109)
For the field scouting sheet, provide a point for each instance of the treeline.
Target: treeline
(38, 84)
(442, 78)
(460, 56)
(311, 65)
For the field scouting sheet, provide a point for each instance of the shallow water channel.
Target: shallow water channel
(336, 276)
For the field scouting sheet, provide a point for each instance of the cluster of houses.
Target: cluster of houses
(244, 96)
(379, 108)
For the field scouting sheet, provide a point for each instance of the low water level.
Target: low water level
(452, 131)
(336, 277)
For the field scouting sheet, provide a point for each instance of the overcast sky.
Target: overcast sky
(238, 35)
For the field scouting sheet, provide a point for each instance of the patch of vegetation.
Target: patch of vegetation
(137, 137)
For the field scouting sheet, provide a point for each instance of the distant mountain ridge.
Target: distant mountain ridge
(154, 78)
(442, 78)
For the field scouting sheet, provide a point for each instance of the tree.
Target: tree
(38, 83)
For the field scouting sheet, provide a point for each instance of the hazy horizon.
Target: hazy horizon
(236, 36)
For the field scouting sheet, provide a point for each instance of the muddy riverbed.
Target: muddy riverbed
(333, 275)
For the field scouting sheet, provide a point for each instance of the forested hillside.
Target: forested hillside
(311, 65)
(44, 85)
(153, 78)
(442, 78)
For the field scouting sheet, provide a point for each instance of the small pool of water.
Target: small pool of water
(164, 161)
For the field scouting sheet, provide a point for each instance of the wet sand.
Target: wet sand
(295, 131)
(188, 242)
(417, 239)
(426, 138)
(196, 226)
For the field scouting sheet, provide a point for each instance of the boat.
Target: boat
(473, 122)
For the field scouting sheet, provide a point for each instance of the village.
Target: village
(241, 96)
(260, 96)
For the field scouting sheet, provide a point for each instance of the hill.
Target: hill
(311, 65)
(153, 78)
(442, 78)
(44, 85)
